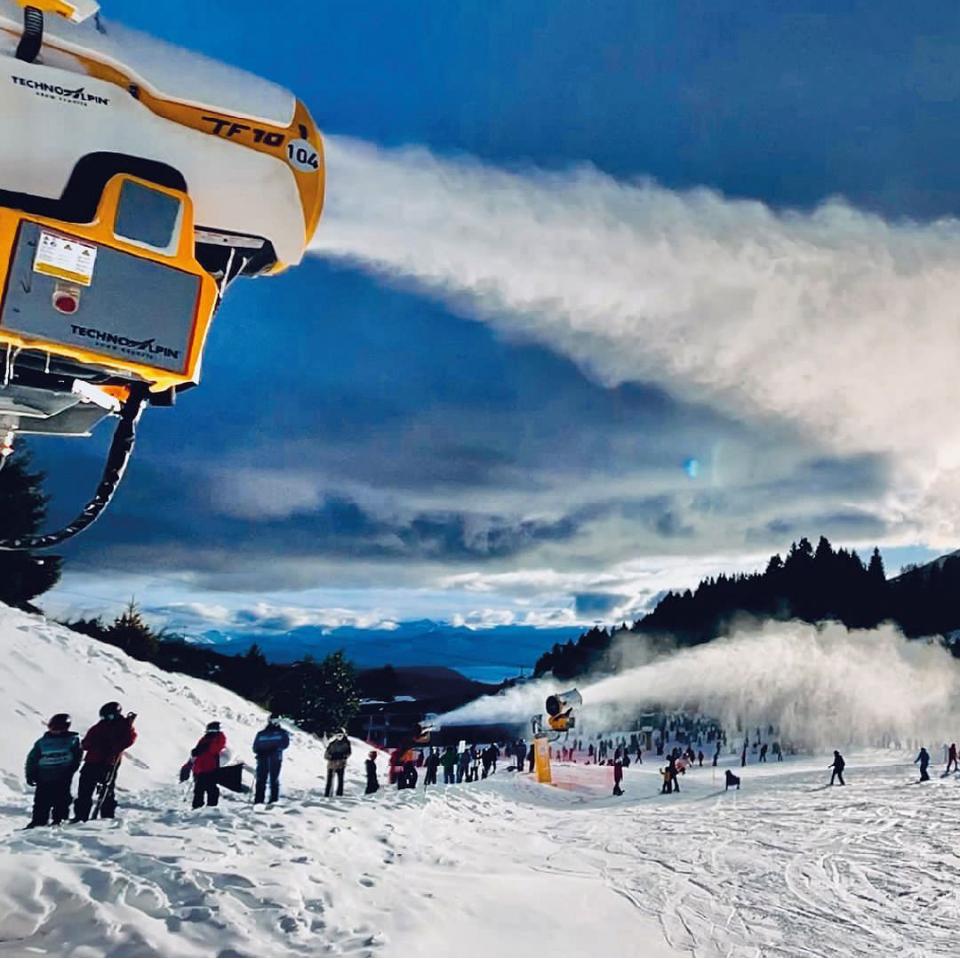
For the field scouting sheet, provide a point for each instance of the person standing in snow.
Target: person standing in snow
(337, 754)
(837, 766)
(50, 766)
(923, 757)
(449, 762)
(463, 766)
(700, 757)
(485, 761)
(431, 762)
(268, 747)
(373, 784)
(951, 758)
(104, 744)
(617, 776)
(205, 764)
(763, 753)
(778, 751)
(520, 753)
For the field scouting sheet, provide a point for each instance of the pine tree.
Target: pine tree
(23, 510)
(320, 697)
(878, 574)
(130, 632)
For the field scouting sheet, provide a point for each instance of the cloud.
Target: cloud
(834, 320)
(597, 605)
(267, 617)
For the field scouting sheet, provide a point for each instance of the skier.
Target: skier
(617, 777)
(923, 757)
(837, 766)
(672, 769)
(951, 758)
(700, 757)
(432, 762)
(373, 784)
(531, 758)
(778, 752)
(486, 759)
(205, 762)
(463, 766)
(743, 755)
(763, 753)
(449, 762)
(337, 754)
(50, 766)
(730, 779)
(104, 744)
(520, 752)
(667, 786)
(716, 755)
(268, 747)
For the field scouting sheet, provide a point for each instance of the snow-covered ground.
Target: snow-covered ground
(502, 867)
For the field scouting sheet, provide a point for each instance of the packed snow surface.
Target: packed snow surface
(785, 866)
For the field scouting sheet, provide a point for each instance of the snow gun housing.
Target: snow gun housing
(559, 709)
(137, 181)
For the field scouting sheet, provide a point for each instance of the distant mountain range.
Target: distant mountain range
(488, 654)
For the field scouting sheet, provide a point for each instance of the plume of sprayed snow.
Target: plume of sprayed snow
(819, 685)
(836, 320)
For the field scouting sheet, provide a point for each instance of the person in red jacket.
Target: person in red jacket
(205, 762)
(104, 743)
(617, 775)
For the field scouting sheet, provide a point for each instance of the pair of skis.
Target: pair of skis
(105, 788)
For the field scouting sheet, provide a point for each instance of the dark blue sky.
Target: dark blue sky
(397, 422)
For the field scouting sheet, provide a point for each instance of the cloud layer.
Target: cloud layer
(835, 321)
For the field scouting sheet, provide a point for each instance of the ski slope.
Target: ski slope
(502, 867)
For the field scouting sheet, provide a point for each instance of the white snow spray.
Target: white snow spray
(835, 319)
(819, 685)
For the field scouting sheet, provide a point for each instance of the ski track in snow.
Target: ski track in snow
(784, 867)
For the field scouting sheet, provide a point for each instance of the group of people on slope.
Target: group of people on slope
(207, 763)
(59, 753)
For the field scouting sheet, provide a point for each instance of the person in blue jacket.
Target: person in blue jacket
(268, 746)
(50, 766)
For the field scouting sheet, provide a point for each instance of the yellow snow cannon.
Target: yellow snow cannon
(559, 708)
(137, 182)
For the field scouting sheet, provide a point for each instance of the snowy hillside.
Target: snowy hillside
(503, 867)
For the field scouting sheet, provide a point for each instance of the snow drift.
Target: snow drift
(820, 685)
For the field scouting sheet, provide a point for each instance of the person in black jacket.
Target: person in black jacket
(837, 766)
(337, 753)
(373, 784)
(50, 766)
(924, 759)
(431, 763)
(268, 747)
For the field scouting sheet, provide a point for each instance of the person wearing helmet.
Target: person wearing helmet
(205, 762)
(337, 754)
(104, 743)
(50, 766)
(268, 747)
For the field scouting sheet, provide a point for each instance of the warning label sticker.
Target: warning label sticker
(65, 257)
